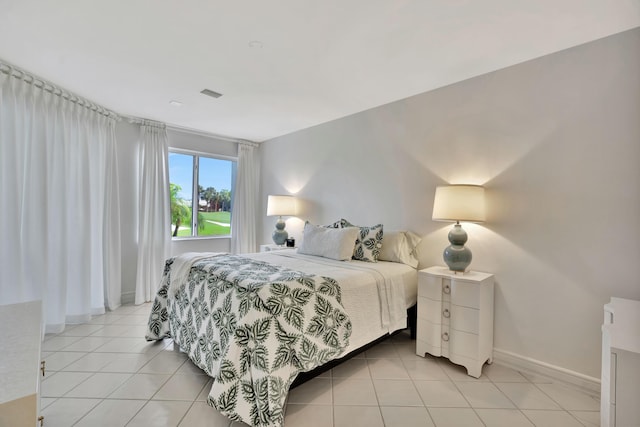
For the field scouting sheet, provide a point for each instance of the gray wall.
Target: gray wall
(556, 142)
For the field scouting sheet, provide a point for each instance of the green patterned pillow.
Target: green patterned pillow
(368, 243)
(338, 224)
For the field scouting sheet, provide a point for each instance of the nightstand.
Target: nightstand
(620, 379)
(455, 317)
(21, 365)
(272, 247)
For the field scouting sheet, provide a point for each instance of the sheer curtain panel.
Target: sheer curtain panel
(154, 222)
(245, 200)
(59, 198)
(111, 226)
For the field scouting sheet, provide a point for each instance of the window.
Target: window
(201, 194)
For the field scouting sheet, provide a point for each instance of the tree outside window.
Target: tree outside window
(202, 185)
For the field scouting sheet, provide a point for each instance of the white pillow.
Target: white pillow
(334, 243)
(400, 246)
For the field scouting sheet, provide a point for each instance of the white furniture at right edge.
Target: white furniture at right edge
(620, 386)
(20, 364)
(455, 317)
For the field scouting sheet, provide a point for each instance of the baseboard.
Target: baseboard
(515, 361)
(128, 298)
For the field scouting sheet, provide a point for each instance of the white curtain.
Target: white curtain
(59, 201)
(154, 221)
(111, 230)
(244, 214)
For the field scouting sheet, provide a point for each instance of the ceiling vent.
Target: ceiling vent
(210, 93)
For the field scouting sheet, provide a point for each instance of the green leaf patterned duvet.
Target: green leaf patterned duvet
(253, 327)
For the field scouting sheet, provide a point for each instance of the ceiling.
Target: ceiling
(284, 65)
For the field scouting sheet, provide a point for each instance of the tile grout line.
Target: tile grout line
(420, 395)
(558, 403)
(521, 410)
(527, 381)
(137, 412)
(333, 399)
(186, 412)
(467, 400)
(147, 400)
(375, 391)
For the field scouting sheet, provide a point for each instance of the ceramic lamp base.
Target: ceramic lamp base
(279, 235)
(457, 256)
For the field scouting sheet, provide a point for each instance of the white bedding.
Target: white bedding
(182, 265)
(376, 301)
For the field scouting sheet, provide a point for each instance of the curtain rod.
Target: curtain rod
(13, 71)
(146, 122)
(43, 84)
(211, 135)
(176, 128)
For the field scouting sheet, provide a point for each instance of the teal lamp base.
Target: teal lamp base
(457, 256)
(279, 235)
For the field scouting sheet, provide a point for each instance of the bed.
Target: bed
(254, 322)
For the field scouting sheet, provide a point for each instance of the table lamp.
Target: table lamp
(458, 203)
(279, 206)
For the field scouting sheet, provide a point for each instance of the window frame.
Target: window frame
(194, 183)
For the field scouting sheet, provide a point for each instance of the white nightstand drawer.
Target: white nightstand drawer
(465, 319)
(430, 310)
(466, 294)
(430, 332)
(430, 287)
(464, 343)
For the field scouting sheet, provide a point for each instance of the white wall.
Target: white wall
(201, 143)
(127, 138)
(556, 141)
(127, 135)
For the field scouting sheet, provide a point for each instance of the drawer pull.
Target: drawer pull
(445, 336)
(446, 288)
(42, 367)
(446, 313)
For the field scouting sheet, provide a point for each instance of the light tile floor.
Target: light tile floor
(104, 373)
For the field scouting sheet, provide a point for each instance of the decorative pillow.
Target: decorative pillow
(369, 242)
(400, 246)
(338, 224)
(414, 240)
(334, 243)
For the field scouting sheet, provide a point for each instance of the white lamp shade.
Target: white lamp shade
(459, 203)
(281, 205)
